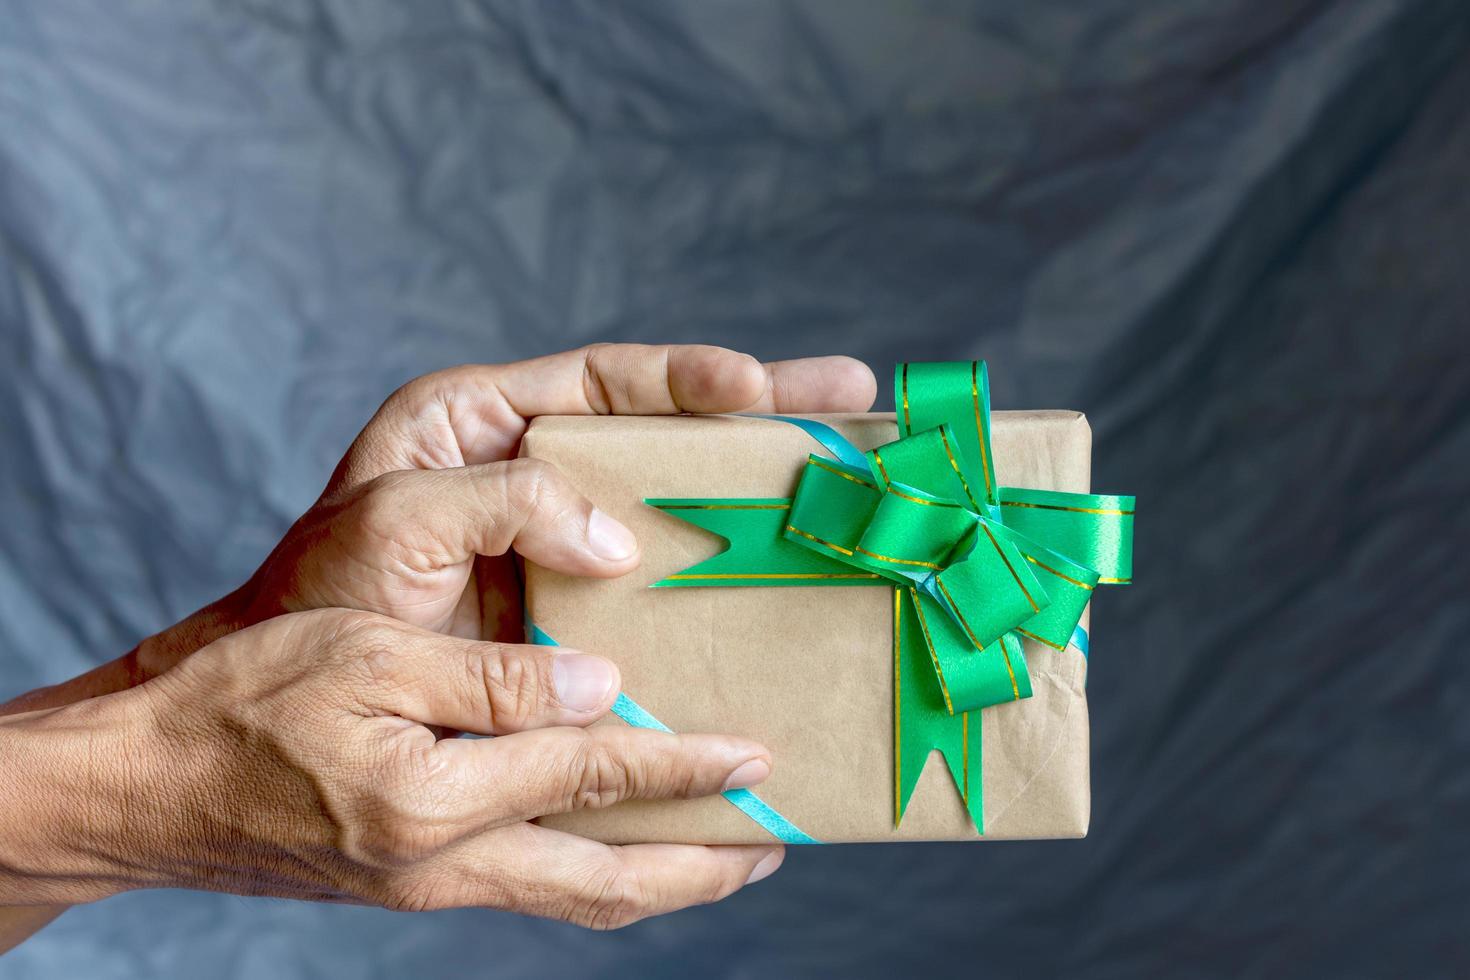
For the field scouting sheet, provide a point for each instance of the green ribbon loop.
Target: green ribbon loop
(974, 566)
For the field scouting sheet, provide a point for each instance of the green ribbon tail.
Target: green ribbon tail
(921, 722)
(757, 555)
(1093, 530)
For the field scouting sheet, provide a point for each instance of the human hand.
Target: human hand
(419, 518)
(372, 542)
(299, 758)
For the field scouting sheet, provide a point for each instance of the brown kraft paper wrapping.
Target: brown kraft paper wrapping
(808, 671)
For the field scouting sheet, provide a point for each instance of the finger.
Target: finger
(477, 413)
(556, 770)
(484, 688)
(817, 384)
(433, 519)
(633, 379)
(539, 871)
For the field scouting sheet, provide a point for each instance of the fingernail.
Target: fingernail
(748, 774)
(765, 867)
(608, 539)
(582, 682)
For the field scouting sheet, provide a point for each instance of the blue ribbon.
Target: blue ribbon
(751, 805)
(830, 438)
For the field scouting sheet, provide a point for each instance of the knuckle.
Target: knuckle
(713, 890)
(594, 385)
(686, 780)
(396, 815)
(536, 489)
(530, 482)
(386, 842)
(371, 642)
(513, 685)
(357, 627)
(601, 777)
(376, 504)
(413, 396)
(386, 526)
(395, 834)
(397, 894)
(407, 394)
(378, 666)
(613, 900)
(346, 635)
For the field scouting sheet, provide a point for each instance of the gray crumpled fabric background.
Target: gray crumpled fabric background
(1234, 233)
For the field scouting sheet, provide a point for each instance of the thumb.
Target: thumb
(485, 688)
(438, 518)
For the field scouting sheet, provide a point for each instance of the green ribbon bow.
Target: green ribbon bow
(974, 566)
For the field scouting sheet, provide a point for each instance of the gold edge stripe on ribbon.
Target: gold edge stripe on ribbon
(723, 506)
(846, 476)
(1047, 643)
(955, 463)
(1048, 568)
(1075, 510)
(908, 428)
(1015, 689)
(958, 615)
(897, 755)
(764, 575)
(812, 537)
(896, 561)
(965, 734)
(1109, 580)
(918, 500)
(933, 657)
(1006, 655)
(980, 427)
(1003, 558)
(882, 470)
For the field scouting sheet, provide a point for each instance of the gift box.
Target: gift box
(865, 595)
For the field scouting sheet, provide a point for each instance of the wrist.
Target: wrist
(72, 791)
(161, 651)
(154, 656)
